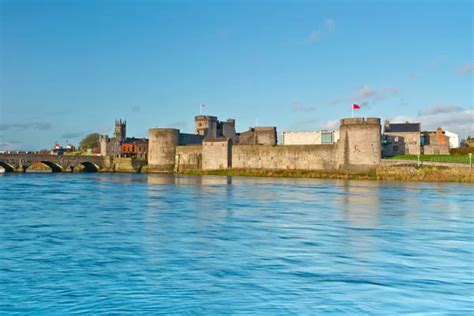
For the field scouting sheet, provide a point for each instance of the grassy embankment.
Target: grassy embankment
(442, 174)
(456, 158)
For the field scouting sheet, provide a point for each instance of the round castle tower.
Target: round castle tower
(162, 149)
(359, 144)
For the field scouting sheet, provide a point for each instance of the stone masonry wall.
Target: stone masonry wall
(358, 149)
(436, 149)
(359, 145)
(411, 141)
(217, 154)
(188, 157)
(303, 157)
(162, 145)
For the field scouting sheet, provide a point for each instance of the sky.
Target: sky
(69, 68)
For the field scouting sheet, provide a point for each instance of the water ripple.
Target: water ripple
(148, 244)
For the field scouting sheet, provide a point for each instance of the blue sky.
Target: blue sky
(69, 68)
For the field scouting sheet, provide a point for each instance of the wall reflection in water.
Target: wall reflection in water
(97, 243)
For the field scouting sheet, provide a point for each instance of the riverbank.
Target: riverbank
(429, 174)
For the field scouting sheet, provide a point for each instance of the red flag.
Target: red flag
(355, 106)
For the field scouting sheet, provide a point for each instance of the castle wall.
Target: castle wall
(217, 154)
(188, 157)
(162, 149)
(302, 157)
(436, 149)
(228, 129)
(259, 136)
(358, 149)
(359, 145)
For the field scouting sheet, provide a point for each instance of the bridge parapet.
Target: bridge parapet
(20, 162)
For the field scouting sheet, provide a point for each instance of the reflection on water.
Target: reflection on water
(117, 243)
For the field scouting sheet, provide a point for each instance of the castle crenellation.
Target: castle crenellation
(217, 145)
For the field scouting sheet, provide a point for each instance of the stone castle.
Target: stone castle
(216, 145)
(206, 128)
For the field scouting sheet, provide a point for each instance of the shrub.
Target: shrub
(462, 151)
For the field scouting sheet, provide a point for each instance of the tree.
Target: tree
(90, 141)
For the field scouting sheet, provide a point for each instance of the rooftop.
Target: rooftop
(402, 127)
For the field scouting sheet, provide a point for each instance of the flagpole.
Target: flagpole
(352, 111)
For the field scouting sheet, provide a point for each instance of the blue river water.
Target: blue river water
(147, 244)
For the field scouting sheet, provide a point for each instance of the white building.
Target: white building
(453, 139)
(309, 137)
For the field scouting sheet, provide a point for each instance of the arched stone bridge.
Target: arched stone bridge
(21, 162)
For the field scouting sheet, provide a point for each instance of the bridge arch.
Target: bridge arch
(53, 166)
(7, 167)
(89, 167)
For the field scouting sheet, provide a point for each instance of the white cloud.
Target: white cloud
(453, 118)
(442, 108)
(328, 26)
(330, 125)
(403, 119)
(73, 135)
(464, 70)
(40, 126)
(298, 107)
(11, 145)
(367, 95)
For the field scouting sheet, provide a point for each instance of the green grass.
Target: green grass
(424, 173)
(464, 159)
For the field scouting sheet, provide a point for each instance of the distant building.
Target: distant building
(261, 135)
(401, 139)
(135, 148)
(113, 146)
(453, 139)
(122, 146)
(309, 137)
(469, 142)
(435, 142)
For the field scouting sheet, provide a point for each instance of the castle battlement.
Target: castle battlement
(360, 121)
(358, 148)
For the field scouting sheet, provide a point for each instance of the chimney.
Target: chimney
(439, 135)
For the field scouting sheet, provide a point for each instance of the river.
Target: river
(134, 243)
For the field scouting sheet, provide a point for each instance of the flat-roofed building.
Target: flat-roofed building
(453, 139)
(309, 137)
